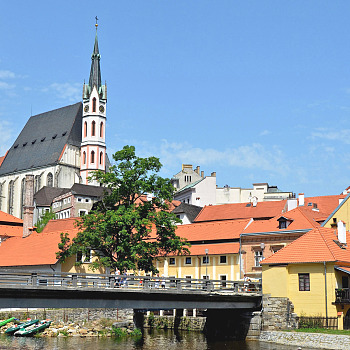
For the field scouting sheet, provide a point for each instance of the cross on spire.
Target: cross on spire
(96, 25)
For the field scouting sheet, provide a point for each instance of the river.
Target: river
(151, 340)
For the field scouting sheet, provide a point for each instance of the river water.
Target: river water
(151, 340)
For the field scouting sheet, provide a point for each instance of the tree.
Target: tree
(127, 230)
(41, 223)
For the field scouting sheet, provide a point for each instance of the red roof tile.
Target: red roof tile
(325, 204)
(318, 245)
(38, 248)
(215, 249)
(241, 211)
(4, 217)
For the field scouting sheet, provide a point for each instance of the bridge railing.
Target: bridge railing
(104, 281)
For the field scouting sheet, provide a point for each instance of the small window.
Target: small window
(33, 142)
(84, 157)
(64, 133)
(101, 129)
(87, 200)
(94, 104)
(93, 128)
(25, 144)
(15, 146)
(282, 224)
(68, 199)
(188, 260)
(304, 282)
(171, 261)
(223, 259)
(92, 157)
(82, 212)
(205, 259)
(79, 199)
(87, 257)
(258, 256)
(54, 136)
(79, 257)
(42, 140)
(309, 204)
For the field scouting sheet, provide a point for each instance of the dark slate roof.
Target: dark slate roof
(189, 209)
(43, 138)
(87, 190)
(45, 196)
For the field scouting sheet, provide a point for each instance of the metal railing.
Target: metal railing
(132, 282)
(342, 295)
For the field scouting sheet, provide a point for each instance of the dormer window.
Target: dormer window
(283, 222)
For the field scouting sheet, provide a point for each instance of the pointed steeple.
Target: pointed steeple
(95, 71)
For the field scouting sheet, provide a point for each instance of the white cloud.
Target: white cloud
(265, 132)
(6, 74)
(342, 135)
(66, 91)
(6, 86)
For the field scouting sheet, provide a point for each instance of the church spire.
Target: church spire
(95, 71)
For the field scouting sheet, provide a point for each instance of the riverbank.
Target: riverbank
(307, 340)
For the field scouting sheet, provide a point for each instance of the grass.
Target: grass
(321, 330)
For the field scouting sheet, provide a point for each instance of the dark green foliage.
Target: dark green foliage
(49, 215)
(127, 231)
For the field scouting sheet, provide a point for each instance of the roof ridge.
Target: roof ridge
(326, 241)
(306, 217)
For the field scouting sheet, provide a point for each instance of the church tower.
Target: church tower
(93, 146)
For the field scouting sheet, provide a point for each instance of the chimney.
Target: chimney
(341, 228)
(341, 200)
(202, 174)
(197, 170)
(213, 174)
(292, 203)
(28, 208)
(255, 201)
(301, 199)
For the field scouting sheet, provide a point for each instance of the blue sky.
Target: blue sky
(258, 91)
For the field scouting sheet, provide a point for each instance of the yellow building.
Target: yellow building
(313, 273)
(341, 212)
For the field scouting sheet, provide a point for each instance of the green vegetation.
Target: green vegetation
(321, 330)
(49, 215)
(119, 229)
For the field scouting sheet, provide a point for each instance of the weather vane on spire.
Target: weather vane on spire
(96, 25)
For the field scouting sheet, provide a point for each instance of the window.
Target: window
(172, 261)
(258, 256)
(304, 281)
(188, 260)
(101, 158)
(49, 180)
(223, 259)
(101, 129)
(37, 183)
(93, 128)
(11, 194)
(94, 104)
(188, 178)
(82, 212)
(68, 199)
(23, 191)
(87, 257)
(223, 278)
(79, 257)
(92, 157)
(85, 129)
(84, 157)
(282, 224)
(79, 199)
(205, 259)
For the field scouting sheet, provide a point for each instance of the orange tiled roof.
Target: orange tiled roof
(301, 219)
(215, 249)
(4, 217)
(38, 248)
(216, 230)
(3, 157)
(11, 231)
(241, 211)
(325, 204)
(318, 245)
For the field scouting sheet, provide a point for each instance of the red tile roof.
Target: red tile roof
(215, 249)
(300, 219)
(4, 217)
(241, 211)
(318, 245)
(38, 248)
(3, 157)
(216, 230)
(325, 204)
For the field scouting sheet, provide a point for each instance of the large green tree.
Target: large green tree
(127, 230)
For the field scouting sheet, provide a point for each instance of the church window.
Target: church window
(93, 128)
(101, 129)
(85, 129)
(49, 181)
(101, 158)
(84, 157)
(37, 183)
(11, 195)
(94, 104)
(92, 157)
(23, 190)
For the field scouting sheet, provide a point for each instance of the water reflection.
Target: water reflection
(152, 340)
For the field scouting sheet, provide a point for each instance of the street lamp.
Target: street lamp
(262, 246)
(206, 263)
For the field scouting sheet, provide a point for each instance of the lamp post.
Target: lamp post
(262, 246)
(206, 263)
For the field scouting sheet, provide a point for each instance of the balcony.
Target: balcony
(342, 296)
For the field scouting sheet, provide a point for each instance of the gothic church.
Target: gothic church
(59, 147)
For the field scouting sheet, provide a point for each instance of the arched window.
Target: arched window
(49, 180)
(92, 156)
(94, 104)
(85, 129)
(84, 157)
(23, 191)
(11, 195)
(101, 158)
(101, 129)
(93, 128)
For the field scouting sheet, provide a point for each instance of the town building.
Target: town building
(60, 147)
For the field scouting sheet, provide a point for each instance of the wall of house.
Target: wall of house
(282, 281)
(343, 214)
(69, 266)
(198, 270)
